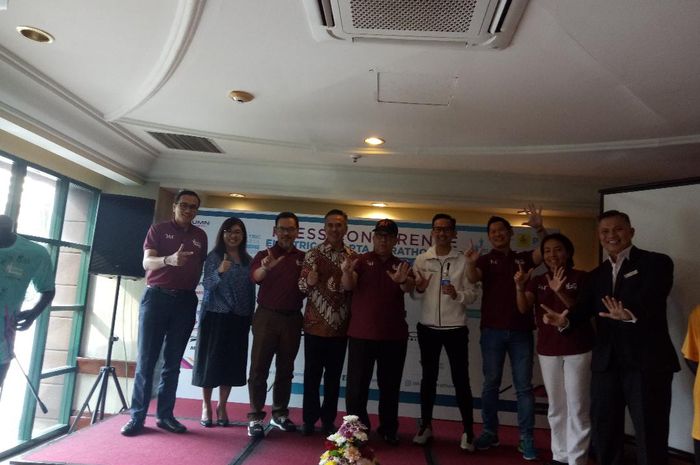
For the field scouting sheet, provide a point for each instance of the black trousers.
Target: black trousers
(648, 398)
(389, 357)
(323, 358)
(456, 344)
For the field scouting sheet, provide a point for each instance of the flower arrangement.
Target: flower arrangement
(348, 446)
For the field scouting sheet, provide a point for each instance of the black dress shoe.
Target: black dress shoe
(307, 429)
(206, 423)
(132, 428)
(223, 422)
(171, 424)
(328, 428)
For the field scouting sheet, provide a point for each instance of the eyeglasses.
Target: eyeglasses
(285, 230)
(187, 206)
(233, 232)
(443, 229)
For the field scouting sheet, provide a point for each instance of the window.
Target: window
(59, 214)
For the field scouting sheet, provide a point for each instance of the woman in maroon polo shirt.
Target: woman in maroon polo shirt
(565, 358)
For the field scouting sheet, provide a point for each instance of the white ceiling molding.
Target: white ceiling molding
(183, 29)
(28, 71)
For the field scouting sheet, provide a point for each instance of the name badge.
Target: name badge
(631, 273)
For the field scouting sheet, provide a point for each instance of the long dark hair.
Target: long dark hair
(565, 241)
(220, 247)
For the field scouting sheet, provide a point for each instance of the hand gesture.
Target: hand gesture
(553, 318)
(400, 273)
(269, 262)
(449, 289)
(422, 282)
(534, 217)
(557, 281)
(312, 277)
(472, 253)
(348, 264)
(521, 277)
(25, 320)
(225, 265)
(180, 257)
(616, 310)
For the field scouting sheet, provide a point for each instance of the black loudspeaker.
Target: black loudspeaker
(121, 226)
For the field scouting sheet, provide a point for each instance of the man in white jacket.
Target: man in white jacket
(444, 292)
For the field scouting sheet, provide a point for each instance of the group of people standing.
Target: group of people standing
(355, 303)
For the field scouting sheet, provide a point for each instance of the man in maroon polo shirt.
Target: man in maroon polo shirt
(504, 330)
(174, 252)
(378, 330)
(276, 325)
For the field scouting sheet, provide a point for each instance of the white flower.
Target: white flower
(361, 436)
(351, 418)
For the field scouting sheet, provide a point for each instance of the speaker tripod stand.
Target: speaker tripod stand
(106, 372)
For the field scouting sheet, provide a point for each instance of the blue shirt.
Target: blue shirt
(232, 291)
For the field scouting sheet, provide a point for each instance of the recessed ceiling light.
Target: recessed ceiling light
(241, 96)
(374, 141)
(378, 204)
(236, 195)
(35, 34)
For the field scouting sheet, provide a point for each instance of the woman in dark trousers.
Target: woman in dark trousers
(227, 306)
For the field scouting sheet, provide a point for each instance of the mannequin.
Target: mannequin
(21, 262)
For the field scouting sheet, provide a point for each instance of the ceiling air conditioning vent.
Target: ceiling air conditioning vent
(485, 24)
(185, 142)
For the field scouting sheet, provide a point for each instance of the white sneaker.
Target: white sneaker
(465, 445)
(423, 436)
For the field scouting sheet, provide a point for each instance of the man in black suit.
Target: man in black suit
(633, 357)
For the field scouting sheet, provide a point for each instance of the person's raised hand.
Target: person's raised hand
(180, 257)
(616, 309)
(269, 262)
(553, 318)
(312, 277)
(225, 265)
(557, 280)
(472, 253)
(534, 217)
(400, 273)
(521, 277)
(422, 282)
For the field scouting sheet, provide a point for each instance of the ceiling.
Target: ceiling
(590, 94)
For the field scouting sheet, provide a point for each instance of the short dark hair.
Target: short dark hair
(220, 247)
(565, 241)
(287, 215)
(334, 212)
(444, 216)
(187, 192)
(613, 213)
(498, 219)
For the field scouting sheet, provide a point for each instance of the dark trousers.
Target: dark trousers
(4, 367)
(165, 322)
(648, 398)
(696, 447)
(323, 358)
(275, 334)
(456, 343)
(390, 357)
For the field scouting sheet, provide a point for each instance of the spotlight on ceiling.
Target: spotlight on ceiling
(236, 195)
(378, 204)
(35, 34)
(374, 141)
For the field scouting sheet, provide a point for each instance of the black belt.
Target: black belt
(171, 292)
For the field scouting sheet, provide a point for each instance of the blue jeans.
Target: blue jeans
(165, 321)
(495, 343)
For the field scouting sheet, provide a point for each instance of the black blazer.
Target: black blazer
(643, 285)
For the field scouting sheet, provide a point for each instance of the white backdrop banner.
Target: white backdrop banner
(414, 239)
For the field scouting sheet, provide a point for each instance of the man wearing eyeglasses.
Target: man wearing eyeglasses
(444, 292)
(174, 252)
(326, 320)
(276, 326)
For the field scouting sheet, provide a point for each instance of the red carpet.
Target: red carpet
(101, 444)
